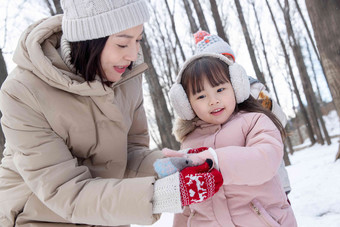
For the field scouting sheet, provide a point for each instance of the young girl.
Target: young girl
(212, 98)
(206, 42)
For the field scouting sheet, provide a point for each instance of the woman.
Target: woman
(75, 127)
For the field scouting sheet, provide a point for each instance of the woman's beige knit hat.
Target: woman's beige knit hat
(93, 19)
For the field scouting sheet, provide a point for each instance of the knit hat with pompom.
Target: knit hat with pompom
(206, 43)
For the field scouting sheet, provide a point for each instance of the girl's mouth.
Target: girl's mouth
(217, 111)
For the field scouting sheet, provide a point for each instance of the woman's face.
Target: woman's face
(119, 51)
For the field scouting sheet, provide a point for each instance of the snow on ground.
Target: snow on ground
(315, 180)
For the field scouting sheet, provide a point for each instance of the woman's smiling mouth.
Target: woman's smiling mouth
(120, 69)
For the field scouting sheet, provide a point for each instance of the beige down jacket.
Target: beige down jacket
(75, 152)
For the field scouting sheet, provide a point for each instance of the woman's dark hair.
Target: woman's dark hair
(217, 72)
(85, 56)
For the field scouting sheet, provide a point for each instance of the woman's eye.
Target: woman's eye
(220, 89)
(121, 46)
(139, 40)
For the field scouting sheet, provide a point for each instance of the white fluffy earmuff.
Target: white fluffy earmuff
(238, 77)
(180, 102)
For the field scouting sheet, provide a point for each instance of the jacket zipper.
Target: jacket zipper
(258, 212)
(192, 214)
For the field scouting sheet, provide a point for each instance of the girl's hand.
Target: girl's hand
(197, 155)
(173, 153)
(181, 153)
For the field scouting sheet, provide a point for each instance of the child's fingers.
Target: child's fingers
(196, 159)
(171, 153)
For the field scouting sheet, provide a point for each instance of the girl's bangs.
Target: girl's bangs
(216, 72)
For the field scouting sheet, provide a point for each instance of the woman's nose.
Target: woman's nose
(132, 53)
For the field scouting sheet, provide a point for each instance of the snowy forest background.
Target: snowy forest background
(292, 46)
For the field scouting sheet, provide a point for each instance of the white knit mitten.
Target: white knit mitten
(167, 195)
(194, 184)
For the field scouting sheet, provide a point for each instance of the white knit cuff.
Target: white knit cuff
(213, 153)
(167, 196)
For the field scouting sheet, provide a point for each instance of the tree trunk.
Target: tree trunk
(3, 75)
(303, 109)
(265, 53)
(173, 26)
(322, 122)
(311, 39)
(163, 117)
(296, 120)
(288, 143)
(258, 72)
(337, 156)
(285, 153)
(193, 25)
(3, 68)
(167, 49)
(297, 126)
(200, 15)
(319, 100)
(306, 84)
(325, 18)
(50, 8)
(57, 6)
(218, 21)
(314, 73)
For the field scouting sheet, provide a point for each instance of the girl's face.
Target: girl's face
(120, 51)
(214, 104)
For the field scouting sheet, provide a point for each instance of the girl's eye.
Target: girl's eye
(220, 89)
(201, 97)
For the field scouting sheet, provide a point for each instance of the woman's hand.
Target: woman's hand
(191, 185)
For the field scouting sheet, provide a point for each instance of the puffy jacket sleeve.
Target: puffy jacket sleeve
(54, 176)
(140, 157)
(257, 161)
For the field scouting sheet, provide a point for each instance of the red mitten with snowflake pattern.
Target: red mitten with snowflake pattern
(199, 183)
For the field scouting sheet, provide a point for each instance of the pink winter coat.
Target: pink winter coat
(249, 150)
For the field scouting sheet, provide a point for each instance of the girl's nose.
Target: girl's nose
(214, 101)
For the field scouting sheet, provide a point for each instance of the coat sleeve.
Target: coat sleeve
(140, 157)
(257, 161)
(51, 172)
